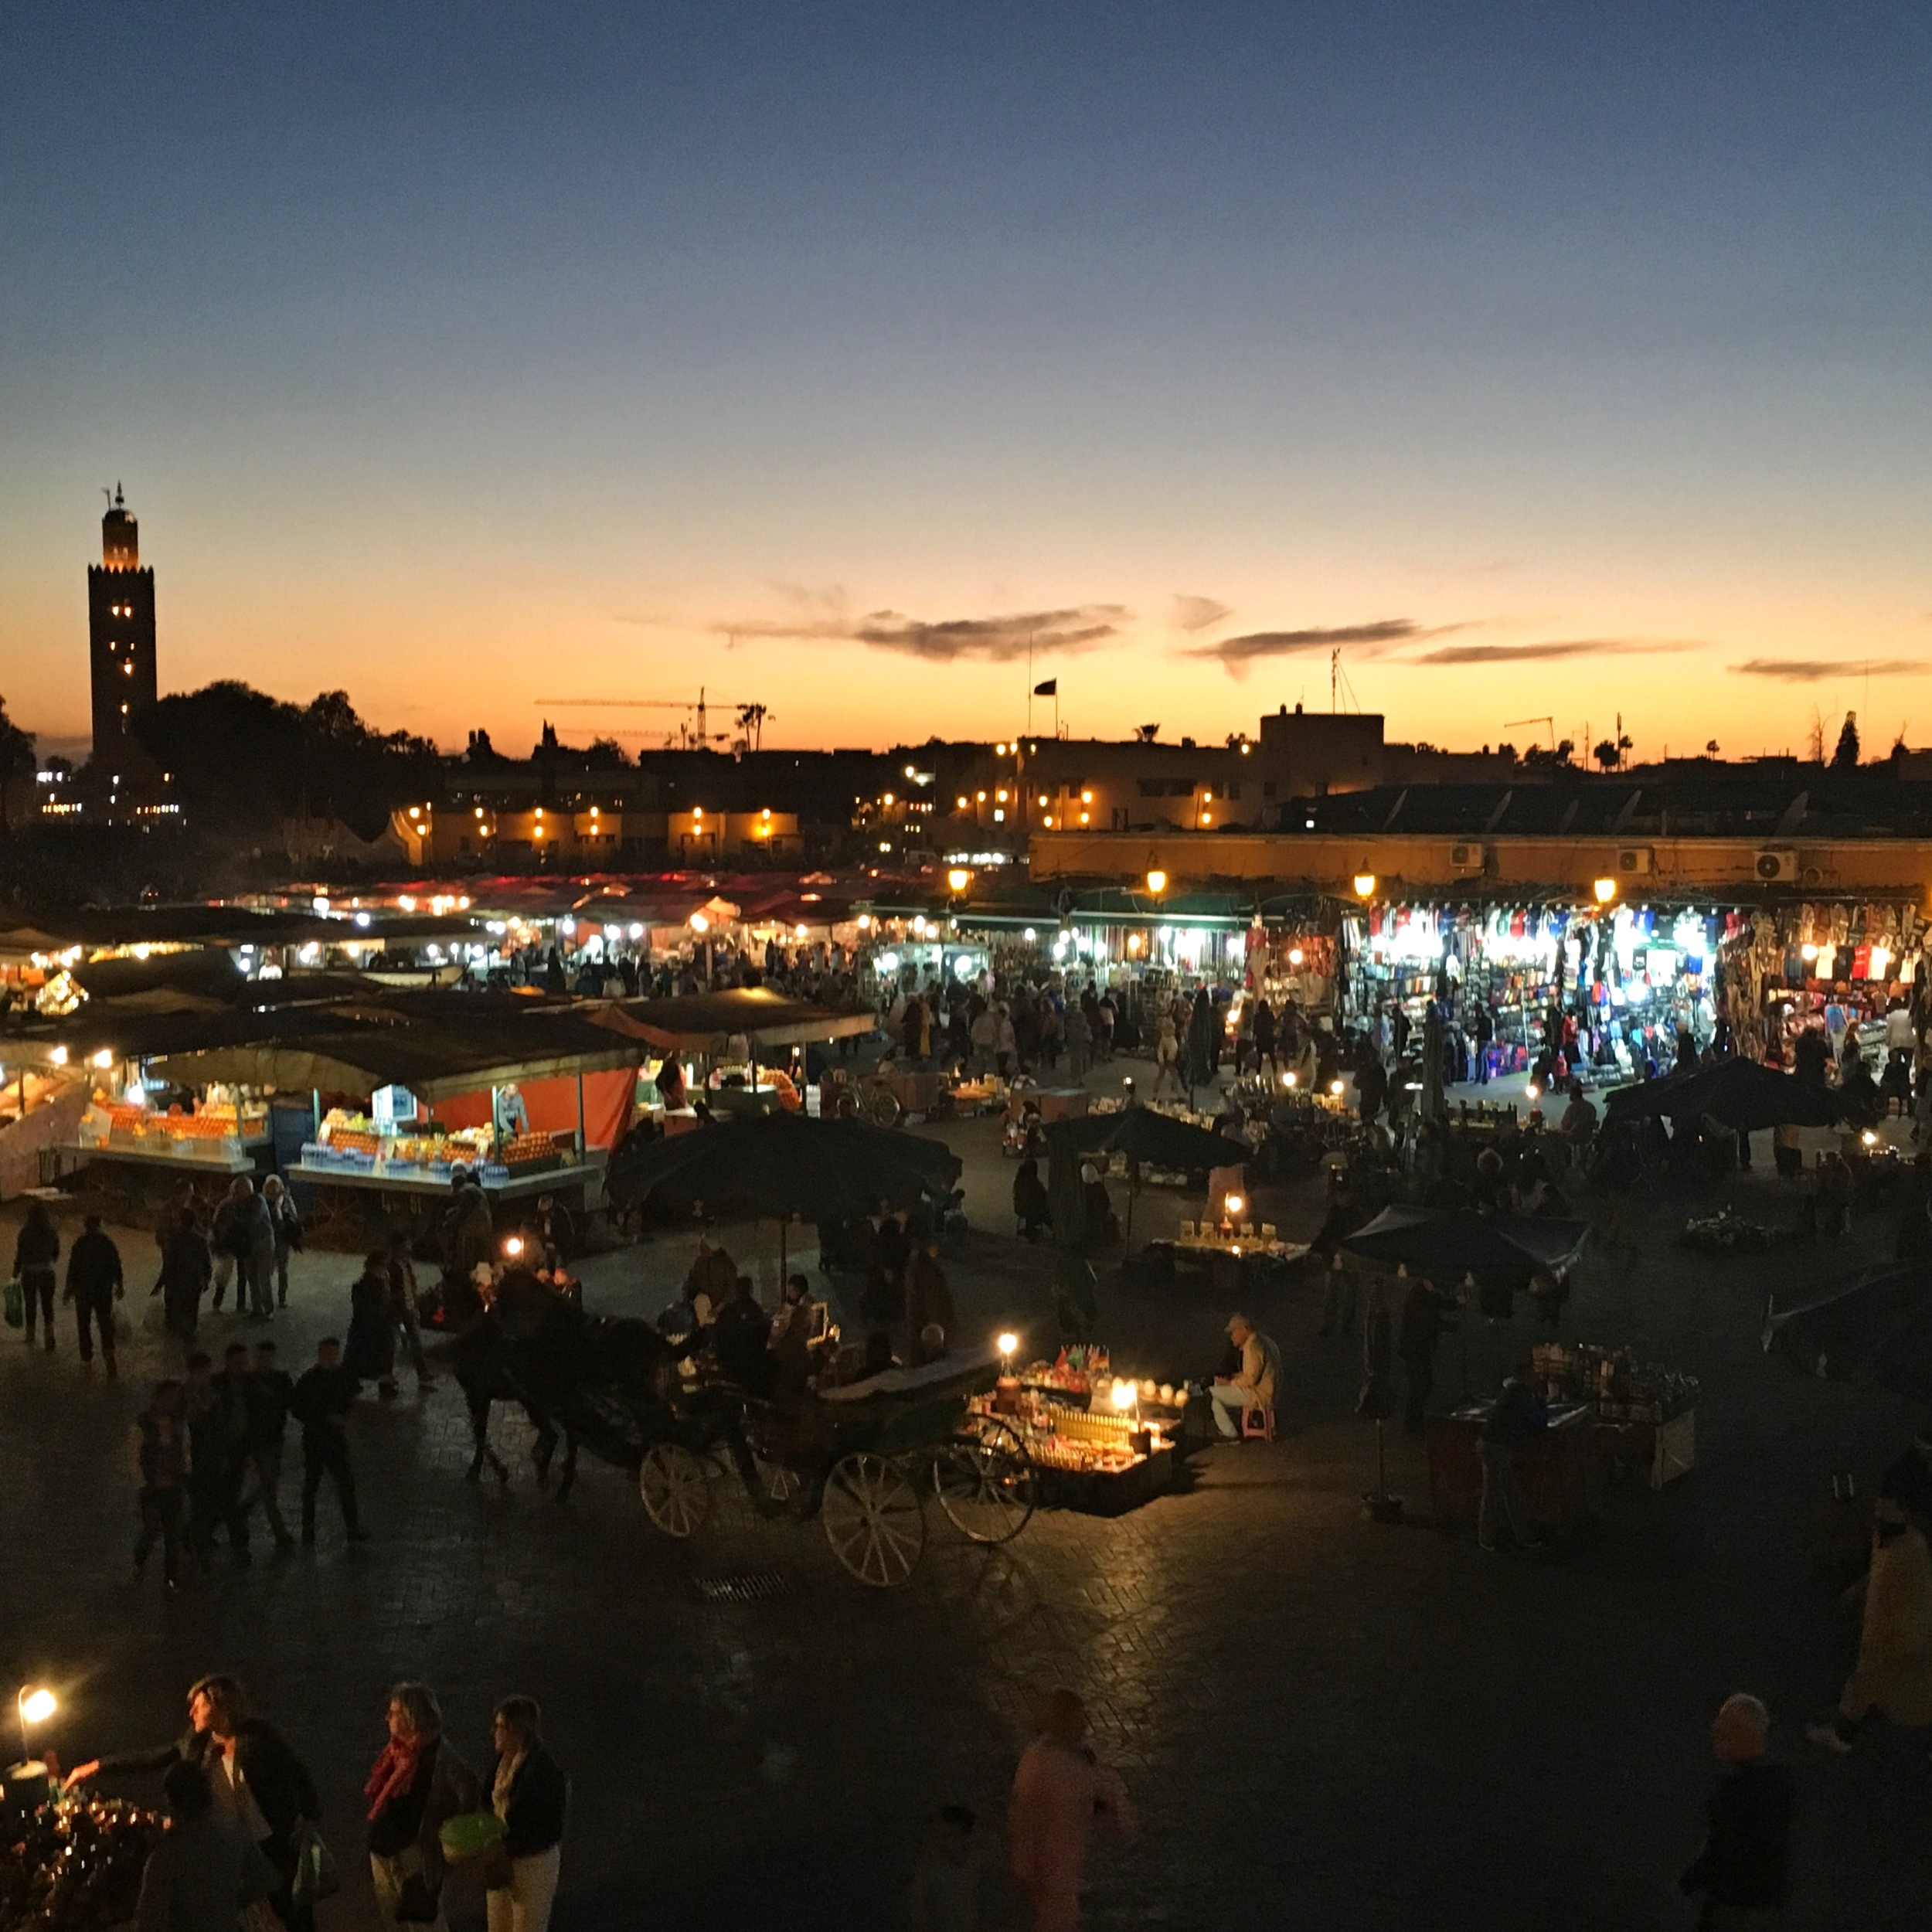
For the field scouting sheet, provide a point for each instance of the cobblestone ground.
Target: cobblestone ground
(1326, 1723)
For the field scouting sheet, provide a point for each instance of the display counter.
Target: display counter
(1102, 1443)
(1559, 1468)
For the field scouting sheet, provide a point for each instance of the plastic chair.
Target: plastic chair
(1257, 1425)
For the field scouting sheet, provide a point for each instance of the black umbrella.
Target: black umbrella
(1743, 1095)
(1144, 1135)
(784, 1166)
(1878, 1324)
(1496, 1251)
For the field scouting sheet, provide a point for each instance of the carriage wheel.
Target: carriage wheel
(882, 1105)
(676, 1489)
(986, 1482)
(873, 1520)
(844, 1106)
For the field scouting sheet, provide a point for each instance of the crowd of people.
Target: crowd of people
(244, 1816)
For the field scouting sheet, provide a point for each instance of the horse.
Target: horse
(605, 1382)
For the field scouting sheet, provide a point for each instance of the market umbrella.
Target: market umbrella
(780, 1166)
(1149, 1138)
(1877, 1324)
(1494, 1249)
(1744, 1095)
(1155, 1139)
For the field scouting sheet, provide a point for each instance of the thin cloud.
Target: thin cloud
(1822, 670)
(1555, 648)
(1256, 647)
(991, 640)
(1197, 613)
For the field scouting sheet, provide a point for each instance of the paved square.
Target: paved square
(1326, 1722)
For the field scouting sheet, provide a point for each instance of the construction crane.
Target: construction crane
(751, 716)
(1548, 725)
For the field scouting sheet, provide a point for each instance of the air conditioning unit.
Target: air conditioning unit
(1633, 861)
(1465, 861)
(1777, 868)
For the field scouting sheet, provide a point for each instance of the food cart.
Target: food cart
(1102, 1443)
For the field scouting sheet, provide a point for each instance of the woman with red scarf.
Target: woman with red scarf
(417, 1784)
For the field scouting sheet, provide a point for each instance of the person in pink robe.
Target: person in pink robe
(1061, 1792)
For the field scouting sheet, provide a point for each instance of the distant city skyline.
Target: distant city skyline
(1553, 366)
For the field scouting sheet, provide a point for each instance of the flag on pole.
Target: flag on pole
(1051, 688)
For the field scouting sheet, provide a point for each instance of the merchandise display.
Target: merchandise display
(216, 1132)
(354, 1144)
(1110, 1438)
(74, 1865)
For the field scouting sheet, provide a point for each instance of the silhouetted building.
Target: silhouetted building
(123, 781)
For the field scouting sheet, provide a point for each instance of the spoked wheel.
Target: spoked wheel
(882, 1107)
(676, 1489)
(985, 1482)
(873, 1520)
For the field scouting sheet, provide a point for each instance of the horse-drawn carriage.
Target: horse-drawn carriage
(863, 1460)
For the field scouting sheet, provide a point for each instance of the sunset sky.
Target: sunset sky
(1551, 360)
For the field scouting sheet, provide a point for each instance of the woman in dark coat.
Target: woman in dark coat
(187, 1266)
(1032, 1207)
(370, 1355)
(417, 1785)
(528, 1792)
(35, 1250)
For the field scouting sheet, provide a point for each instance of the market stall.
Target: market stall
(1102, 1443)
(1559, 1468)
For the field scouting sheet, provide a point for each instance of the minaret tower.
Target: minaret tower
(120, 643)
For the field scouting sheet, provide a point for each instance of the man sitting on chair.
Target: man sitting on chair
(1253, 1385)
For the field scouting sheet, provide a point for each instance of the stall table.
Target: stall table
(1559, 1470)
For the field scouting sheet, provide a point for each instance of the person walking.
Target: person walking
(202, 1873)
(269, 1396)
(530, 1793)
(1167, 1058)
(929, 1300)
(371, 1354)
(231, 1237)
(1894, 1674)
(403, 1313)
(1743, 1870)
(94, 1284)
(36, 1250)
(417, 1785)
(1061, 1793)
(187, 1264)
(161, 1465)
(1423, 1310)
(262, 1790)
(1519, 1416)
(287, 1221)
(213, 1497)
(322, 1399)
(258, 1229)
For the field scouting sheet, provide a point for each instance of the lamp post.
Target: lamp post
(34, 1706)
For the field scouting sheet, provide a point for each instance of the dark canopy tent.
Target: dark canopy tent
(706, 1022)
(1848, 1332)
(1743, 1095)
(1497, 1251)
(1157, 1140)
(784, 1166)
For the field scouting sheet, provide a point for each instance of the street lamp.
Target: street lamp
(34, 1707)
(1364, 885)
(959, 878)
(1157, 881)
(1605, 890)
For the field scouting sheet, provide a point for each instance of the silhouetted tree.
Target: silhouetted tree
(1846, 756)
(16, 756)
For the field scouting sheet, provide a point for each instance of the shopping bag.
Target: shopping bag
(16, 1304)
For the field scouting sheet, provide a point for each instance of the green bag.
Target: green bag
(315, 1876)
(16, 1300)
(469, 1835)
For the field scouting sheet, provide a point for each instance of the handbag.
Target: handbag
(16, 1304)
(315, 1875)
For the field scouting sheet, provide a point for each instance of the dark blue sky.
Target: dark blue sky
(474, 355)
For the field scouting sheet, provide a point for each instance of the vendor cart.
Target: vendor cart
(862, 1459)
